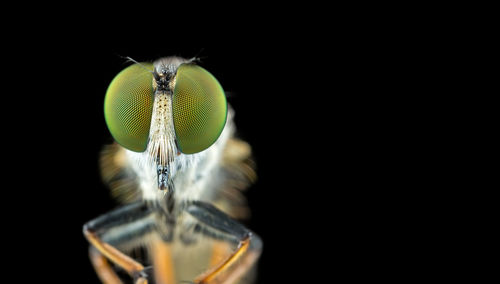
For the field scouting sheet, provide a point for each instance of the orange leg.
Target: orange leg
(119, 221)
(219, 250)
(128, 264)
(233, 267)
(241, 259)
(162, 262)
(102, 268)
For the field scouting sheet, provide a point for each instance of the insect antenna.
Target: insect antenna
(140, 64)
(197, 58)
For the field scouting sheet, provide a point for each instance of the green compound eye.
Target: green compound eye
(199, 109)
(128, 106)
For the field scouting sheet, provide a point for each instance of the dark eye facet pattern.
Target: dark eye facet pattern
(199, 108)
(128, 106)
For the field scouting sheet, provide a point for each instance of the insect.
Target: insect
(178, 170)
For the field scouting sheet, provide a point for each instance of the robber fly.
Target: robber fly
(178, 171)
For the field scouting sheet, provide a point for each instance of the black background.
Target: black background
(292, 127)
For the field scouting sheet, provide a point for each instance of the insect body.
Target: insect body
(179, 170)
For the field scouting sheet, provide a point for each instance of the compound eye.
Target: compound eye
(128, 106)
(199, 109)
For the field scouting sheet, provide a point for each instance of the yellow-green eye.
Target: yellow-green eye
(128, 106)
(199, 108)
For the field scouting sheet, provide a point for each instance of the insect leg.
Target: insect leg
(103, 268)
(163, 263)
(115, 227)
(241, 259)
